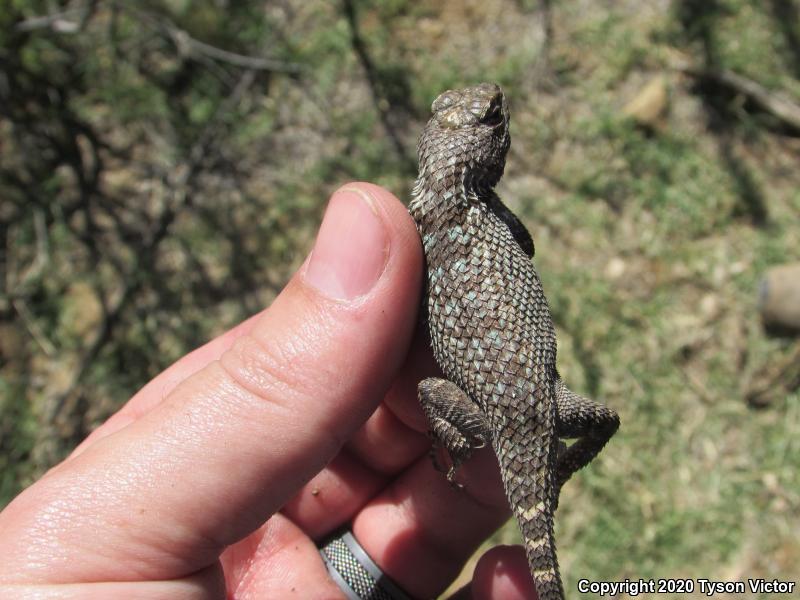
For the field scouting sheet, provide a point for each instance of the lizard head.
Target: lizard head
(466, 138)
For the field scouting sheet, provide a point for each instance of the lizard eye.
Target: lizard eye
(493, 116)
(445, 100)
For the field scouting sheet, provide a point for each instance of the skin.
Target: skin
(218, 478)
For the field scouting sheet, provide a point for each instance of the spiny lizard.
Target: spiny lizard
(490, 326)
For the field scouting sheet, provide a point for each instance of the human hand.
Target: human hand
(221, 474)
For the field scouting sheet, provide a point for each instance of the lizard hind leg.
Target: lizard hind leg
(589, 421)
(455, 422)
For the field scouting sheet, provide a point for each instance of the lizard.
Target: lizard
(490, 326)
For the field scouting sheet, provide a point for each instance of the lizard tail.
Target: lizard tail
(528, 477)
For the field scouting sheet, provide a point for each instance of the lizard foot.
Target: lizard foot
(457, 424)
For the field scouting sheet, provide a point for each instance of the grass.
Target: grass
(650, 241)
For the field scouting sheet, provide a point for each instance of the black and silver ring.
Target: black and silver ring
(355, 572)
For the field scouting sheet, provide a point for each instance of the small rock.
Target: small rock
(647, 108)
(709, 305)
(779, 298)
(615, 268)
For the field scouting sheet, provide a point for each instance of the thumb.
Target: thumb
(232, 442)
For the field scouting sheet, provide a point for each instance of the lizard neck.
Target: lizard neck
(433, 203)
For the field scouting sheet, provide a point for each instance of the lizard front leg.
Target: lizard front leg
(456, 422)
(589, 421)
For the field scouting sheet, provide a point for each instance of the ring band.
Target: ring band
(355, 572)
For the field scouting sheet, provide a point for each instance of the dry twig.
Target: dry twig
(775, 103)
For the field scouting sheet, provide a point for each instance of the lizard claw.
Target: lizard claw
(451, 479)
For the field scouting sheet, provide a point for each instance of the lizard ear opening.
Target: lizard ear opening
(493, 115)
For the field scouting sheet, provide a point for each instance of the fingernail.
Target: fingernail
(351, 248)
